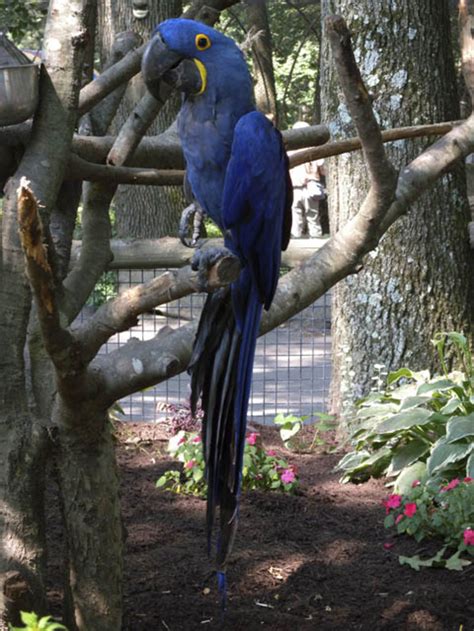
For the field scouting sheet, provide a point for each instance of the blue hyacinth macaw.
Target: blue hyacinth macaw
(237, 170)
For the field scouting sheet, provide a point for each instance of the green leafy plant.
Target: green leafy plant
(441, 511)
(316, 435)
(417, 419)
(33, 623)
(262, 469)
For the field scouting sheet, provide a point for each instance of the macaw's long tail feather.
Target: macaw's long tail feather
(221, 371)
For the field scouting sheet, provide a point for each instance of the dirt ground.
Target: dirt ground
(315, 560)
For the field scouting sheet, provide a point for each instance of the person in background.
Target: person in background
(308, 193)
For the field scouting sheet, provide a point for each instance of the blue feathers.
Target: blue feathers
(238, 171)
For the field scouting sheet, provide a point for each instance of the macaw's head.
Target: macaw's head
(191, 57)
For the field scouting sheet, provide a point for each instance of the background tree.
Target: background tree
(418, 280)
(140, 211)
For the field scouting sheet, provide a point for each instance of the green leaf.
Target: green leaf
(398, 374)
(288, 433)
(281, 419)
(416, 563)
(351, 460)
(451, 406)
(404, 420)
(403, 484)
(440, 385)
(407, 454)
(459, 427)
(382, 410)
(198, 474)
(29, 618)
(456, 563)
(470, 466)
(413, 402)
(161, 481)
(444, 453)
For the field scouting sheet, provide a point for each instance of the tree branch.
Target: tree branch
(134, 128)
(110, 79)
(168, 252)
(121, 313)
(354, 144)
(80, 169)
(138, 365)
(381, 172)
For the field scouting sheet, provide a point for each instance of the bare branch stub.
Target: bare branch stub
(57, 340)
(31, 235)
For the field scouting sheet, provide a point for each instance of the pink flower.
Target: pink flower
(392, 501)
(410, 509)
(271, 452)
(288, 476)
(182, 440)
(399, 519)
(452, 485)
(468, 479)
(189, 464)
(252, 438)
(415, 484)
(196, 439)
(469, 537)
(388, 545)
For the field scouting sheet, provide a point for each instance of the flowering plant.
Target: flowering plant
(432, 510)
(262, 469)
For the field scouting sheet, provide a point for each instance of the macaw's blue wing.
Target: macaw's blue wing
(256, 213)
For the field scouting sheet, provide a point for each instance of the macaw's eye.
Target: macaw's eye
(202, 41)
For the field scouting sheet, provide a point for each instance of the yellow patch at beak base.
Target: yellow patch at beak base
(203, 73)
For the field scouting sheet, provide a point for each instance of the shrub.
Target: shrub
(432, 510)
(261, 469)
(419, 425)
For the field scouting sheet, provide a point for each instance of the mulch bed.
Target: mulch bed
(315, 560)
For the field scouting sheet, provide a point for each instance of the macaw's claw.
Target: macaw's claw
(203, 260)
(192, 219)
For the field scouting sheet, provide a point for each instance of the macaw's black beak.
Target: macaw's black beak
(162, 65)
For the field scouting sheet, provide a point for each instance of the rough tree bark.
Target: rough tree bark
(417, 281)
(141, 211)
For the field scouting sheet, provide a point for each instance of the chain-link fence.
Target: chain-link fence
(292, 363)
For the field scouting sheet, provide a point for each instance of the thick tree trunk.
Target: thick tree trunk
(91, 509)
(21, 442)
(141, 211)
(418, 280)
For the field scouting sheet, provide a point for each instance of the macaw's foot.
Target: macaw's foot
(192, 221)
(226, 267)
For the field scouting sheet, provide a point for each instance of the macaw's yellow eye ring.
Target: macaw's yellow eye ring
(202, 41)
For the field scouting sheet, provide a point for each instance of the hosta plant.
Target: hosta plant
(262, 469)
(420, 425)
(444, 512)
